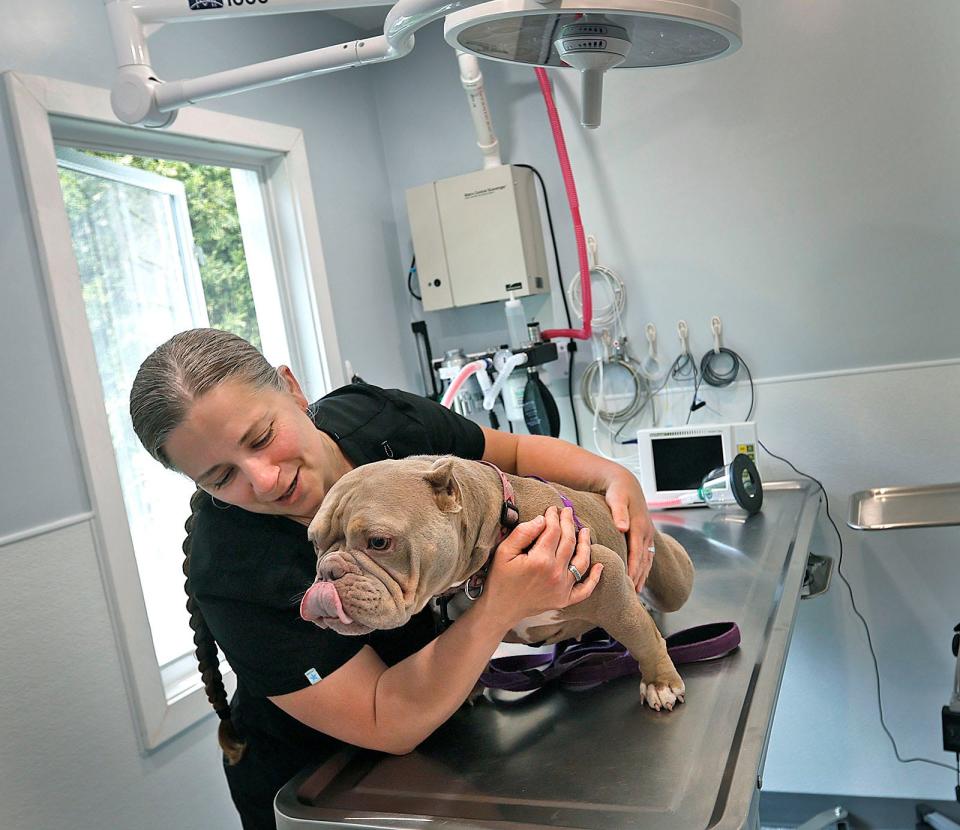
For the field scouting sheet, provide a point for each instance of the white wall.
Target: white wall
(806, 190)
(68, 755)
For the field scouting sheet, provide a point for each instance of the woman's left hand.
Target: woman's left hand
(629, 509)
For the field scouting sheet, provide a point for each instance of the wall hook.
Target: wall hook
(592, 250)
(684, 333)
(716, 327)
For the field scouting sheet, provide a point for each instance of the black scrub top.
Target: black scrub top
(248, 572)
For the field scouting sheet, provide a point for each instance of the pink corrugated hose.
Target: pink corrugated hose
(571, 188)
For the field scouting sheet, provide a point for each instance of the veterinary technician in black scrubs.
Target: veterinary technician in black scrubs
(207, 404)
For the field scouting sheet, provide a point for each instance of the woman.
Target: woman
(206, 403)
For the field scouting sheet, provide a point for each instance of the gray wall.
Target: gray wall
(804, 189)
(69, 757)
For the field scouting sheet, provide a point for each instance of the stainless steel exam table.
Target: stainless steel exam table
(598, 759)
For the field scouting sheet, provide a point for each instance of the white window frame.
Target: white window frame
(45, 111)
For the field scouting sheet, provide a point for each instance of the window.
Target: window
(159, 245)
(142, 234)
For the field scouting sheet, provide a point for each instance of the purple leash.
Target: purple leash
(598, 658)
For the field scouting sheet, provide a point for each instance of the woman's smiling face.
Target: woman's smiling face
(257, 449)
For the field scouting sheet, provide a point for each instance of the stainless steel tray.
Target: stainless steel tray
(598, 759)
(887, 508)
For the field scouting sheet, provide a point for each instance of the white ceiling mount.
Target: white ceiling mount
(593, 46)
(629, 34)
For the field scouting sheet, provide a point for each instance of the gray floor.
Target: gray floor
(784, 811)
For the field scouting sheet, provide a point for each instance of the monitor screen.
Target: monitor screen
(681, 463)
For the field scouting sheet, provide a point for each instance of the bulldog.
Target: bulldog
(391, 535)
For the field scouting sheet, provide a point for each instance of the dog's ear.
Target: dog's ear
(446, 489)
(320, 532)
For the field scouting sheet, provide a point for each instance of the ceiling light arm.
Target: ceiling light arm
(139, 97)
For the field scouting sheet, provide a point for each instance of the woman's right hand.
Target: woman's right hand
(531, 572)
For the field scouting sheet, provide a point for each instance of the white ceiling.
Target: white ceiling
(367, 18)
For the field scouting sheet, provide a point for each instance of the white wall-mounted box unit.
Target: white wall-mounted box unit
(478, 237)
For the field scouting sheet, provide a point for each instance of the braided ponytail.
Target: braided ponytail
(172, 377)
(207, 659)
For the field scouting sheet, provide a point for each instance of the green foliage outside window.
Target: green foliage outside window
(216, 233)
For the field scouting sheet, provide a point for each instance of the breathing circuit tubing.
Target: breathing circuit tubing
(490, 395)
(460, 379)
(586, 331)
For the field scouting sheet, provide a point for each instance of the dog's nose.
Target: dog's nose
(330, 568)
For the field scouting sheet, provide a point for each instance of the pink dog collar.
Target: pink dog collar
(509, 515)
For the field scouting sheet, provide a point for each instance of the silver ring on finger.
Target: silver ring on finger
(652, 548)
(576, 573)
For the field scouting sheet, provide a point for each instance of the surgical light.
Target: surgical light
(596, 35)
(589, 35)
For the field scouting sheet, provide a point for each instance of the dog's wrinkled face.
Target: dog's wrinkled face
(388, 537)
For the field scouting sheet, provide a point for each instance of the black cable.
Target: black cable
(683, 368)
(696, 403)
(412, 270)
(553, 239)
(719, 379)
(571, 347)
(714, 378)
(866, 628)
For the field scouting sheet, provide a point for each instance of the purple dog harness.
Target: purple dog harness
(566, 502)
(596, 657)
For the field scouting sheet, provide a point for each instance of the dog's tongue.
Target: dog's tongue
(322, 602)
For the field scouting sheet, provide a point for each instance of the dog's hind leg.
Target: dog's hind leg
(615, 606)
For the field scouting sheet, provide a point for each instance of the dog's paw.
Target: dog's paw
(663, 695)
(475, 696)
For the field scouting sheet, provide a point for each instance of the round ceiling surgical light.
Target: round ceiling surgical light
(595, 35)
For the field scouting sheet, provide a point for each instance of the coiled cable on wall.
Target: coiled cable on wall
(595, 370)
(607, 324)
(719, 378)
(603, 317)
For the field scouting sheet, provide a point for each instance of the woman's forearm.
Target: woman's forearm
(552, 459)
(418, 694)
(565, 463)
